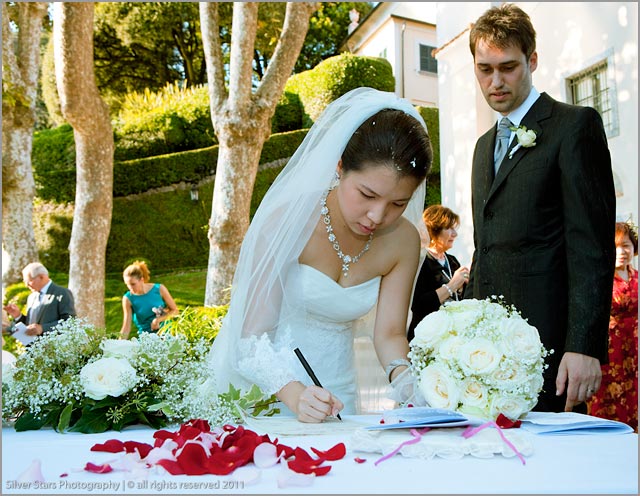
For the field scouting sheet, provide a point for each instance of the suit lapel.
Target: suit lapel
(540, 110)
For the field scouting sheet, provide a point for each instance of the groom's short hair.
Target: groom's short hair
(504, 26)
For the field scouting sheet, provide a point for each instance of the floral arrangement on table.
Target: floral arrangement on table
(75, 378)
(480, 358)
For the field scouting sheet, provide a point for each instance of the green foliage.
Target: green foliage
(141, 175)
(431, 119)
(253, 402)
(430, 116)
(167, 228)
(54, 149)
(170, 120)
(140, 45)
(327, 29)
(336, 76)
(288, 114)
(197, 322)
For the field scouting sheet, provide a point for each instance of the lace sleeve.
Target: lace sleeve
(264, 364)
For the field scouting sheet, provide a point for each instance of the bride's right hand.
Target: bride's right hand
(311, 404)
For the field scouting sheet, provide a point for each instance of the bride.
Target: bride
(329, 243)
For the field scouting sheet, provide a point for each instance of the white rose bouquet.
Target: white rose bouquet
(478, 357)
(75, 378)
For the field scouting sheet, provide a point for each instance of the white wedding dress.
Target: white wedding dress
(322, 330)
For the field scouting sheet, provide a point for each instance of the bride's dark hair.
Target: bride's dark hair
(391, 138)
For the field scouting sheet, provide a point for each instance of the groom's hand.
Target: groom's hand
(580, 375)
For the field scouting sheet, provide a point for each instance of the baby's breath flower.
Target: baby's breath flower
(169, 378)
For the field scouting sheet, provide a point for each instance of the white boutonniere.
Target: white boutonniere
(526, 139)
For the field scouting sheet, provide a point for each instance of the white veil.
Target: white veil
(246, 351)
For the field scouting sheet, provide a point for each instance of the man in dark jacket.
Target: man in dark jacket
(47, 305)
(543, 209)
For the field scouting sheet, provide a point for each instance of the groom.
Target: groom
(543, 210)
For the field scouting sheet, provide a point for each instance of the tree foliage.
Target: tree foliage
(327, 29)
(140, 45)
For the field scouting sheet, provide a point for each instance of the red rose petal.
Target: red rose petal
(200, 424)
(287, 450)
(105, 468)
(142, 448)
(338, 452)
(171, 466)
(193, 459)
(111, 446)
(357, 459)
(162, 435)
(306, 468)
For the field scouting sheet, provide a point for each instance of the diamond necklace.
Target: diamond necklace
(346, 260)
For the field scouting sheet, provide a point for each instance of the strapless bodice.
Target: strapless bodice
(323, 328)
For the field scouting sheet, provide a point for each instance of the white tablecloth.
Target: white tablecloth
(577, 464)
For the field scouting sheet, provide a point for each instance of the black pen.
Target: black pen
(309, 370)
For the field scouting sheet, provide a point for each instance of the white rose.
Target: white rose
(448, 349)
(508, 375)
(432, 330)
(474, 394)
(520, 339)
(465, 314)
(119, 348)
(536, 381)
(526, 138)
(439, 387)
(478, 356)
(509, 406)
(107, 376)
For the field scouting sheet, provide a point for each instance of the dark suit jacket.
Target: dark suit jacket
(544, 229)
(57, 306)
(425, 299)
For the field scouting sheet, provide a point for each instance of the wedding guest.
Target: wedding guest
(617, 398)
(441, 276)
(329, 242)
(543, 207)
(148, 305)
(47, 305)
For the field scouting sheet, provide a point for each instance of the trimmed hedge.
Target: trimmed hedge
(156, 123)
(138, 176)
(168, 228)
(152, 124)
(336, 76)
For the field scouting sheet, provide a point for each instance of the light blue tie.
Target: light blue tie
(502, 142)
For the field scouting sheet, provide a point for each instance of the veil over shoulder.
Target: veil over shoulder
(247, 349)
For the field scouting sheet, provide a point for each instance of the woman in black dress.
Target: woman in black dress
(441, 277)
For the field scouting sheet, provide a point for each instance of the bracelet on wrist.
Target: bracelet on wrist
(448, 290)
(394, 364)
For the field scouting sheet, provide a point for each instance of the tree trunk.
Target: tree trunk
(20, 63)
(84, 109)
(241, 120)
